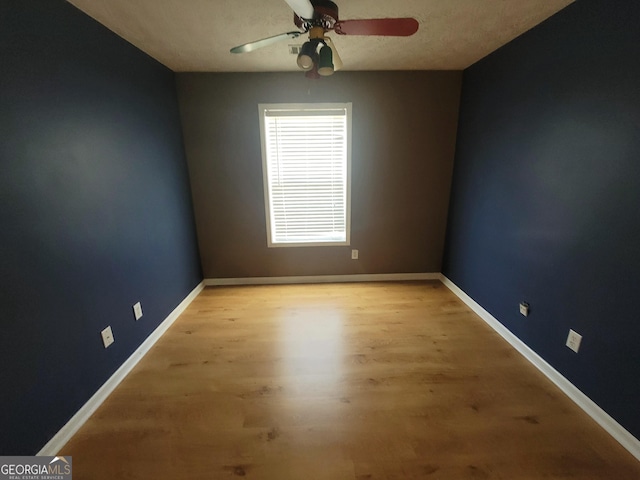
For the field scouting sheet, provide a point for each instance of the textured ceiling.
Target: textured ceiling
(196, 35)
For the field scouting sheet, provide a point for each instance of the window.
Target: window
(306, 164)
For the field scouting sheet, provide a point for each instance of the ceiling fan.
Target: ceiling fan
(318, 56)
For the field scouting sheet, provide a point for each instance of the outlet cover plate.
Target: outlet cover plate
(107, 337)
(524, 309)
(573, 340)
(137, 311)
(354, 254)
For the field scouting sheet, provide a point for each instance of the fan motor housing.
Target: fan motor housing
(325, 15)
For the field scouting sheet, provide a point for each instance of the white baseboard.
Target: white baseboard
(378, 277)
(617, 431)
(58, 441)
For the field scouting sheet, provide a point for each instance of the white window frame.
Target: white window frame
(290, 109)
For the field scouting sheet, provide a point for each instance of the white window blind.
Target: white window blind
(306, 167)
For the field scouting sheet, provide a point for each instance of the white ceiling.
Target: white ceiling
(196, 35)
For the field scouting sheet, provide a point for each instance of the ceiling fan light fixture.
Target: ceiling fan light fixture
(325, 63)
(307, 55)
(337, 61)
(313, 73)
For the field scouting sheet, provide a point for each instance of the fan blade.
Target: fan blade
(302, 8)
(337, 61)
(395, 27)
(251, 46)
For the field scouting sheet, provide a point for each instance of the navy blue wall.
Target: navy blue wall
(545, 204)
(95, 211)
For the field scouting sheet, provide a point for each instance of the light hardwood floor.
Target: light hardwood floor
(348, 381)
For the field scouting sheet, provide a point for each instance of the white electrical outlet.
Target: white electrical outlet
(107, 337)
(137, 311)
(573, 340)
(354, 254)
(524, 309)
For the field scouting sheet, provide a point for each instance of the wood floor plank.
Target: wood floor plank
(349, 381)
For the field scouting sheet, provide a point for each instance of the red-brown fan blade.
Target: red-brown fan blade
(395, 27)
